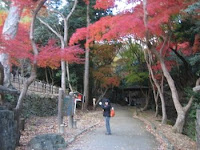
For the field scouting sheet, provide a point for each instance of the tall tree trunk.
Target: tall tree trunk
(66, 34)
(51, 74)
(46, 76)
(64, 41)
(22, 68)
(32, 77)
(1, 83)
(148, 62)
(155, 94)
(86, 73)
(63, 69)
(9, 32)
(156, 102)
(63, 76)
(68, 77)
(63, 64)
(181, 111)
(147, 98)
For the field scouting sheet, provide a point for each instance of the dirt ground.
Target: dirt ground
(42, 125)
(179, 141)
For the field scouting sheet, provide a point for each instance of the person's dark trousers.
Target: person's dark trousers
(107, 121)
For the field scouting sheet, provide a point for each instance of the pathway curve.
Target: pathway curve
(127, 134)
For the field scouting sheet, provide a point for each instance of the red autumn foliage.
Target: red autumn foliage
(87, 2)
(105, 77)
(104, 4)
(19, 47)
(80, 33)
(185, 48)
(24, 3)
(102, 56)
(131, 23)
(196, 46)
(51, 55)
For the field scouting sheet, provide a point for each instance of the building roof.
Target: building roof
(136, 87)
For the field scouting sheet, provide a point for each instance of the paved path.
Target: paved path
(127, 134)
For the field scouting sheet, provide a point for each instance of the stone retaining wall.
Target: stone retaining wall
(7, 130)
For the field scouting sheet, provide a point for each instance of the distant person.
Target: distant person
(106, 113)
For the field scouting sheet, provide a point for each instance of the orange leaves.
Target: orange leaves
(105, 77)
(113, 81)
(103, 70)
(3, 15)
(104, 4)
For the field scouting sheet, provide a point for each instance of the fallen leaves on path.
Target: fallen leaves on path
(179, 141)
(43, 125)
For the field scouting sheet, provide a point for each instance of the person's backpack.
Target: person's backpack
(112, 112)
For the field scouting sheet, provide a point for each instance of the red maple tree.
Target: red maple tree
(151, 22)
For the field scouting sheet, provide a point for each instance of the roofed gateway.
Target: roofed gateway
(136, 95)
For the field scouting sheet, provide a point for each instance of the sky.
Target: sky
(121, 6)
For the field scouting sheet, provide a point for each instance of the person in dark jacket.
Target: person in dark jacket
(106, 113)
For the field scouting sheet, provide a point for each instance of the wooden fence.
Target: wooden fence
(36, 86)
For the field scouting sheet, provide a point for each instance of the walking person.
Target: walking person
(106, 106)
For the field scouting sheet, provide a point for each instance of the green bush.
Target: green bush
(34, 105)
(190, 124)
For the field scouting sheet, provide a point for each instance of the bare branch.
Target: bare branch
(73, 8)
(35, 51)
(187, 107)
(50, 28)
(197, 87)
(66, 22)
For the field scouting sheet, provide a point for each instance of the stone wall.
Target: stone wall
(7, 130)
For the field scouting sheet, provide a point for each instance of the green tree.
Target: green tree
(133, 64)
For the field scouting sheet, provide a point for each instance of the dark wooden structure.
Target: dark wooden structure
(135, 95)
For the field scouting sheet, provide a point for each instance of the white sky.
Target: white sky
(2, 4)
(121, 5)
